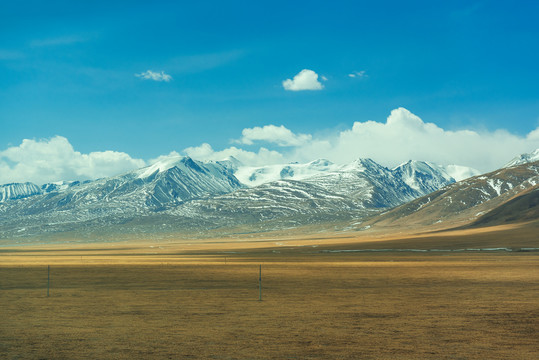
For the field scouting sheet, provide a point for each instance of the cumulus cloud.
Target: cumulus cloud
(305, 80)
(262, 157)
(534, 135)
(43, 161)
(358, 74)
(279, 135)
(172, 154)
(405, 136)
(155, 76)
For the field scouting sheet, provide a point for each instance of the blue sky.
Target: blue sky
(68, 69)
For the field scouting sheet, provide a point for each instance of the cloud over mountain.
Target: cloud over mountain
(279, 135)
(42, 161)
(401, 137)
(260, 158)
(405, 136)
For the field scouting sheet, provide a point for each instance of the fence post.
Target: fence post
(260, 283)
(48, 279)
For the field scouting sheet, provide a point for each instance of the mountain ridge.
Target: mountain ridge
(179, 194)
(463, 202)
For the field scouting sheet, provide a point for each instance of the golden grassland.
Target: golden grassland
(181, 300)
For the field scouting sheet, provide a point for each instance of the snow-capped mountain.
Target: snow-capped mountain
(465, 201)
(254, 176)
(524, 159)
(274, 205)
(18, 191)
(179, 179)
(422, 176)
(339, 193)
(179, 193)
(363, 180)
(60, 186)
(117, 199)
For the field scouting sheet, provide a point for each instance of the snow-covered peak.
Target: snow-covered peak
(254, 176)
(321, 164)
(58, 186)
(23, 190)
(448, 172)
(416, 165)
(524, 159)
(361, 165)
(423, 176)
(164, 165)
(230, 163)
(18, 191)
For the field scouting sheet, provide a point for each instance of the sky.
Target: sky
(91, 89)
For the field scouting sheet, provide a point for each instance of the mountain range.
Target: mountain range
(472, 201)
(182, 195)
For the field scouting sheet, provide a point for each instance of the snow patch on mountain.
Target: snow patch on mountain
(422, 176)
(181, 194)
(413, 173)
(255, 176)
(524, 159)
(18, 191)
(163, 165)
(497, 185)
(60, 186)
(367, 183)
(230, 163)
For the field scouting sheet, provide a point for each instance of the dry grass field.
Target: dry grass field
(172, 301)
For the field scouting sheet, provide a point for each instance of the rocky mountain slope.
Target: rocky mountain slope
(357, 190)
(17, 191)
(464, 202)
(524, 159)
(116, 199)
(521, 208)
(180, 194)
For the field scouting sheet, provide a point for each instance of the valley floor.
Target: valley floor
(323, 297)
(156, 301)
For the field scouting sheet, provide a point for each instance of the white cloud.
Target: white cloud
(279, 135)
(43, 161)
(156, 76)
(172, 154)
(358, 74)
(533, 135)
(262, 157)
(405, 136)
(305, 80)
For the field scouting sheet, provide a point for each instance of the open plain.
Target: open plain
(321, 299)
